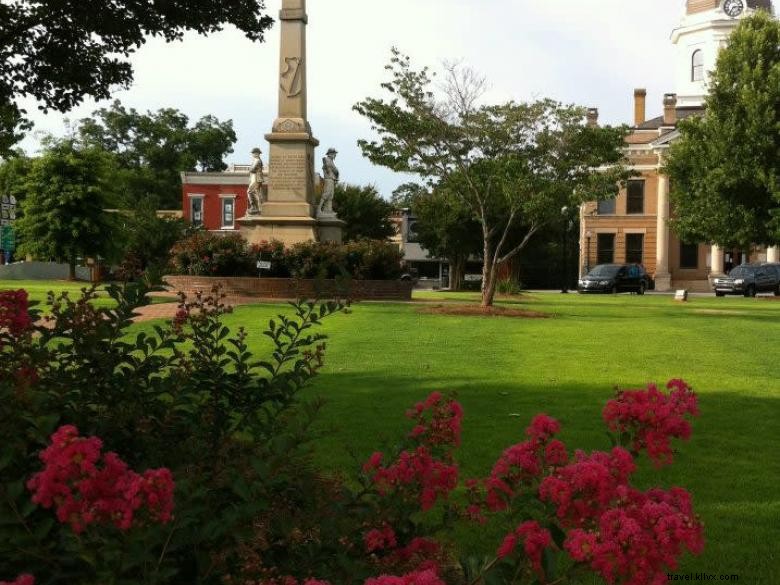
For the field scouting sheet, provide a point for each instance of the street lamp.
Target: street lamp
(567, 223)
(588, 235)
(564, 249)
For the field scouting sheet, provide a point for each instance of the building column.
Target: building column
(773, 254)
(716, 260)
(663, 280)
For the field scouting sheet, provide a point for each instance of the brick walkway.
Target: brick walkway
(168, 310)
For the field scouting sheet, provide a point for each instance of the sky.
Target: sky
(591, 53)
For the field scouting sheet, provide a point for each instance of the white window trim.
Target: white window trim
(202, 197)
(222, 199)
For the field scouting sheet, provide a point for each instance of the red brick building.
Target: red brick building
(216, 201)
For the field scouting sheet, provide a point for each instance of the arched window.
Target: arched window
(697, 66)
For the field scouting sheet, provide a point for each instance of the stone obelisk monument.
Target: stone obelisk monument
(288, 214)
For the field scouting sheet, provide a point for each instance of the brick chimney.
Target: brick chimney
(670, 109)
(640, 96)
(593, 117)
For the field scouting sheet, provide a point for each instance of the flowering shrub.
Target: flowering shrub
(14, 316)
(206, 254)
(189, 401)
(186, 400)
(25, 579)
(84, 492)
(648, 419)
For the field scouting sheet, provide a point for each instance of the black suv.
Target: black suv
(614, 278)
(748, 280)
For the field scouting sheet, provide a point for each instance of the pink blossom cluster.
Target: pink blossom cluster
(534, 538)
(419, 577)
(438, 421)
(523, 463)
(378, 539)
(293, 581)
(87, 487)
(651, 418)
(14, 315)
(635, 542)
(626, 535)
(581, 490)
(25, 579)
(425, 472)
(416, 473)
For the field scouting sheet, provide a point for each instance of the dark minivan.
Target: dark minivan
(615, 278)
(748, 280)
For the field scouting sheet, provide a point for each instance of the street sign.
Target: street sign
(7, 238)
(263, 265)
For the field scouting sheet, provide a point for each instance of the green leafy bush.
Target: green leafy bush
(188, 397)
(206, 254)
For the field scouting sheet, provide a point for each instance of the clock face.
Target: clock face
(733, 7)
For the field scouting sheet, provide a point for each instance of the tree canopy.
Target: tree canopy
(725, 168)
(514, 165)
(60, 52)
(446, 228)
(366, 213)
(152, 148)
(64, 213)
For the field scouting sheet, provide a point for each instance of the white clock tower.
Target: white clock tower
(704, 30)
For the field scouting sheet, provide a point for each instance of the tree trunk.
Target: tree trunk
(457, 268)
(72, 268)
(489, 282)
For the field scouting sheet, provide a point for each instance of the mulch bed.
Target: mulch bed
(480, 311)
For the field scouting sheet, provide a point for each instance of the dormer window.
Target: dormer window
(697, 66)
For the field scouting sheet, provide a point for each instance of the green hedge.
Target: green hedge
(207, 254)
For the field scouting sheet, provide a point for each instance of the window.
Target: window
(228, 207)
(196, 210)
(635, 198)
(635, 244)
(411, 231)
(606, 207)
(605, 248)
(689, 255)
(697, 66)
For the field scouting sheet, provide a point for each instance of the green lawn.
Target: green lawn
(384, 357)
(39, 289)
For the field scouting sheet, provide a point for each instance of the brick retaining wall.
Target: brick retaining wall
(291, 288)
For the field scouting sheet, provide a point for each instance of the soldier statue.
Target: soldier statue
(255, 191)
(330, 176)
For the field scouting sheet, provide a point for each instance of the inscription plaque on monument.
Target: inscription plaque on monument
(288, 170)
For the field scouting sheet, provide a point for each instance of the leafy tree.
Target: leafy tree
(725, 168)
(60, 52)
(366, 213)
(151, 149)
(447, 229)
(13, 175)
(147, 240)
(64, 208)
(404, 195)
(515, 164)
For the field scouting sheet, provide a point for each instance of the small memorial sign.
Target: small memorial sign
(681, 295)
(263, 265)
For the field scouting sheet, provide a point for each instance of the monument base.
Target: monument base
(291, 230)
(330, 229)
(288, 230)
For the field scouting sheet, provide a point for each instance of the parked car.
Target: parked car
(748, 280)
(615, 278)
